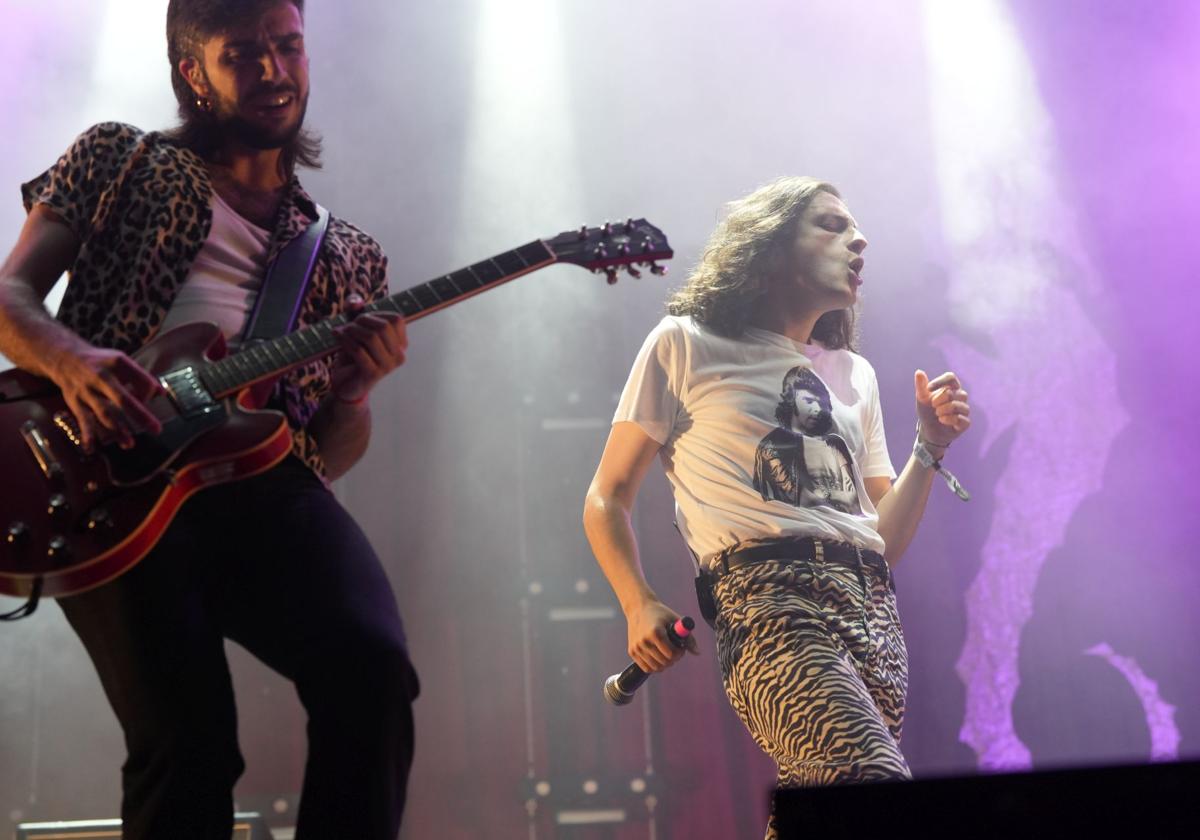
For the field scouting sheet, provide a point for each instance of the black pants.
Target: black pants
(277, 565)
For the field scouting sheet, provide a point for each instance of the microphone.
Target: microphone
(619, 688)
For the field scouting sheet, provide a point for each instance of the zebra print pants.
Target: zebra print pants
(813, 661)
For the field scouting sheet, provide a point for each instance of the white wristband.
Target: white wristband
(925, 459)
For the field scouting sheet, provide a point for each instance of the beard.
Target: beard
(233, 126)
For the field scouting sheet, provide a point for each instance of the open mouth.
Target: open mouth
(856, 265)
(275, 104)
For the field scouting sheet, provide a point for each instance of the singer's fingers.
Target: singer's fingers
(921, 385)
(648, 657)
(655, 663)
(662, 642)
(666, 648)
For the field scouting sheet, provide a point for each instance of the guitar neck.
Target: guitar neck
(267, 359)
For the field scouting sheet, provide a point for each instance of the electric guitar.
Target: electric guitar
(70, 521)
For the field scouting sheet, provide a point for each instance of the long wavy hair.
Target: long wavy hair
(189, 24)
(743, 253)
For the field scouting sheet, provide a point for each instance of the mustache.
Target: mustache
(274, 90)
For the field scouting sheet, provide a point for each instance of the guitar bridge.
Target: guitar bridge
(188, 392)
(66, 424)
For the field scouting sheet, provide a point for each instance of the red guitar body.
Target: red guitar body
(74, 521)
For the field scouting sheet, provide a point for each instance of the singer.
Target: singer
(769, 427)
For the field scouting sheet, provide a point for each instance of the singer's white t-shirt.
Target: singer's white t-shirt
(225, 277)
(748, 456)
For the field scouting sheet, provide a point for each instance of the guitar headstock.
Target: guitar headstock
(613, 247)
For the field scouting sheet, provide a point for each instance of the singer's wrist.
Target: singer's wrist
(937, 450)
(638, 601)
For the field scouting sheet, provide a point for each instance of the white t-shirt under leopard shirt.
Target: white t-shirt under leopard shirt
(225, 277)
(761, 436)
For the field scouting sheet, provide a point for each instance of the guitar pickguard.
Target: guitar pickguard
(152, 454)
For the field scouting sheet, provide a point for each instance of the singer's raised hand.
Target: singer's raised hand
(648, 643)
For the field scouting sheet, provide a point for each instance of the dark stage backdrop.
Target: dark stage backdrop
(1025, 173)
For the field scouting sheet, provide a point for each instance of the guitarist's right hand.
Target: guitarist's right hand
(107, 392)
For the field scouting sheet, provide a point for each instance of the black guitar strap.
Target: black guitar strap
(278, 304)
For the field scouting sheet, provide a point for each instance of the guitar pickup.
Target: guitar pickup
(188, 392)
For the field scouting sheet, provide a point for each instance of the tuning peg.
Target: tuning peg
(633, 272)
(629, 225)
(600, 251)
(583, 233)
(647, 245)
(624, 249)
(660, 270)
(611, 274)
(606, 229)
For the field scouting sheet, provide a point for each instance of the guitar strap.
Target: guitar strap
(278, 304)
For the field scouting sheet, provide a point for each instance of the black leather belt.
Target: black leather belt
(805, 549)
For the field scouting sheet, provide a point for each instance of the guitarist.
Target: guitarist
(162, 228)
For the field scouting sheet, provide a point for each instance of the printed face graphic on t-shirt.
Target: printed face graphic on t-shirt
(804, 461)
(808, 411)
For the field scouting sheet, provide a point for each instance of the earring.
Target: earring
(204, 104)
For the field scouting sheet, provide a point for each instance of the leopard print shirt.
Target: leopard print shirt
(140, 205)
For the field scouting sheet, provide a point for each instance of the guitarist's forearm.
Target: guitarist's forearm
(29, 336)
(342, 430)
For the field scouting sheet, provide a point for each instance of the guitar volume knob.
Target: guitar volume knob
(58, 548)
(57, 504)
(98, 518)
(17, 532)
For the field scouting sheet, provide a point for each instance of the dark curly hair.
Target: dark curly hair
(189, 24)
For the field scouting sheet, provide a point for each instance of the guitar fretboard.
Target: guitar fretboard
(265, 359)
